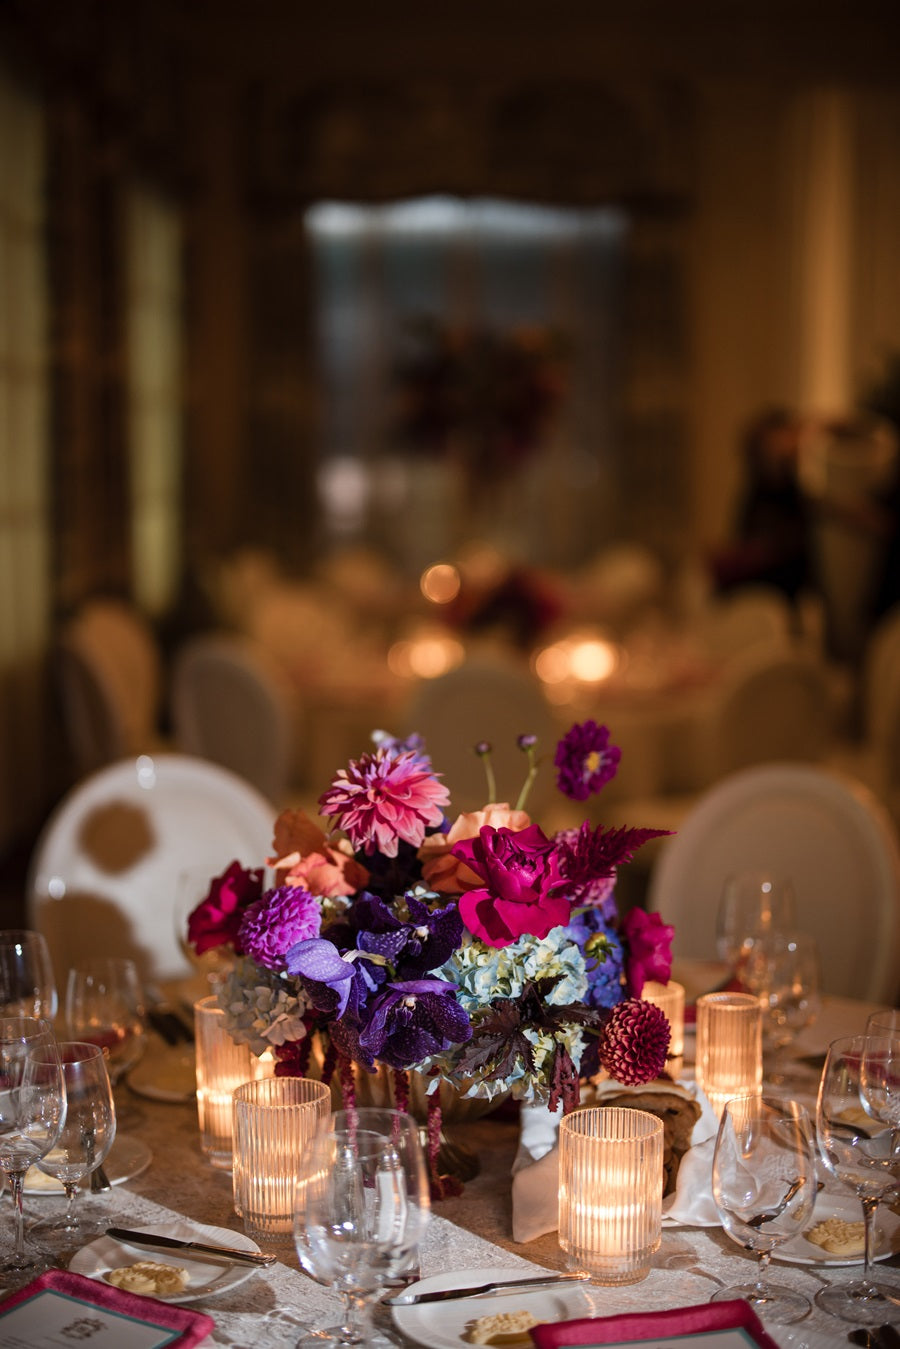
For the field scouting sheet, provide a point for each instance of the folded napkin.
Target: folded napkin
(535, 1182)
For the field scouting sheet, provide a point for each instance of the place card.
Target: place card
(59, 1309)
(716, 1325)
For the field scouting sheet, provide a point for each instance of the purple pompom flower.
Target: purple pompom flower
(275, 923)
(585, 760)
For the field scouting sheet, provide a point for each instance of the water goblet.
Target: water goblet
(32, 1113)
(863, 1152)
(105, 1007)
(86, 1136)
(879, 1073)
(782, 969)
(27, 983)
(362, 1202)
(752, 904)
(764, 1186)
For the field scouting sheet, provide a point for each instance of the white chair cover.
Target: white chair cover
(822, 829)
(104, 876)
(775, 702)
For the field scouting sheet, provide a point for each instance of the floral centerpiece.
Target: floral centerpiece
(474, 950)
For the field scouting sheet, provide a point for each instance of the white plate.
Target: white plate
(128, 1157)
(442, 1325)
(207, 1278)
(107, 866)
(165, 1073)
(799, 1251)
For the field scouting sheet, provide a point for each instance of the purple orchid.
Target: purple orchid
(412, 947)
(334, 985)
(410, 1021)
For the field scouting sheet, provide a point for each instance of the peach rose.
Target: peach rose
(445, 873)
(304, 857)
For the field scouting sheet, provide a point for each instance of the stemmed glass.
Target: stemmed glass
(764, 1185)
(782, 969)
(362, 1202)
(27, 985)
(752, 904)
(105, 1007)
(32, 1114)
(87, 1134)
(863, 1151)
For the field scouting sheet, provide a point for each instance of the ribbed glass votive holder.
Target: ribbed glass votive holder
(729, 1046)
(274, 1119)
(669, 998)
(221, 1065)
(610, 1191)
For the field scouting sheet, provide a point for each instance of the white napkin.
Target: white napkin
(535, 1184)
(692, 1204)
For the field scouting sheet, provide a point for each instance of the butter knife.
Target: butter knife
(411, 1299)
(151, 1241)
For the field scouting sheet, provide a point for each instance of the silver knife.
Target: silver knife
(153, 1242)
(409, 1299)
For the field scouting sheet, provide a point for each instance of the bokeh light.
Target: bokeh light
(440, 583)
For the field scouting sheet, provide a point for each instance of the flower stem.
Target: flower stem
(532, 773)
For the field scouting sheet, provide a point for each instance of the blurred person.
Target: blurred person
(771, 544)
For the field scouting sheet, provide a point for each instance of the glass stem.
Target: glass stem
(762, 1274)
(869, 1208)
(16, 1184)
(70, 1221)
(355, 1325)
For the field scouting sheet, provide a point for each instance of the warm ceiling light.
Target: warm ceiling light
(440, 583)
(593, 661)
(433, 656)
(553, 665)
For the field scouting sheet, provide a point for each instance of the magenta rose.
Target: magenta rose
(216, 920)
(648, 946)
(518, 872)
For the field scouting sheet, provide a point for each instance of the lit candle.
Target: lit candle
(274, 1120)
(610, 1191)
(221, 1066)
(729, 1046)
(669, 998)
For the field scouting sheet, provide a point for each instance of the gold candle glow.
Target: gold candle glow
(729, 1046)
(610, 1191)
(221, 1065)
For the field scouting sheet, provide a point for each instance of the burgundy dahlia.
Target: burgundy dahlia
(635, 1042)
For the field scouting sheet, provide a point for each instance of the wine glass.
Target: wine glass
(362, 1202)
(87, 1134)
(752, 904)
(105, 1007)
(782, 969)
(863, 1152)
(32, 1113)
(27, 985)
(764, 1186)
(886, 1022)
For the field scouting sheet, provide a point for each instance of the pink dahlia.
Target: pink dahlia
(648, 949)
(634, 1042)
(380, 800)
